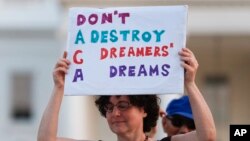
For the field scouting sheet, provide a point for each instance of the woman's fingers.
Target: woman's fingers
(185, 52)
(63, 63)
(186, 66)
(61, 70)
(65, 53)
(190, 61)
(188, 57)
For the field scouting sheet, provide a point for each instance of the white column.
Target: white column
(79, 118)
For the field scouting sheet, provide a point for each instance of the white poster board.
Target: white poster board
(126, 50)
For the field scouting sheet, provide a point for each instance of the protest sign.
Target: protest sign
(125, 50)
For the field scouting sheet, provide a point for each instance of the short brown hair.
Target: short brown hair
(150, 104)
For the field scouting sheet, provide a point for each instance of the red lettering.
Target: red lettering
(157, 51)
(104, 53)
(148, 51)
(76, 61)
(113, 52)
(171, 45)
(131, 52)
(164, 51)
(122, 51)
(140, 51)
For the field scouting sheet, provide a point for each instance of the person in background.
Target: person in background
(178, 118)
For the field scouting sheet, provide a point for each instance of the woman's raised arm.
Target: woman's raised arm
(49, 123)
(205, 127)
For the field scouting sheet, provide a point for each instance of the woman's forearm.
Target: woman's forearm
(205, 127)
(49, 123)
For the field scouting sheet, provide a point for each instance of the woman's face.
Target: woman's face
(123, 117)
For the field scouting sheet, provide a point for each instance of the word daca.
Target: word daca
(122, 35)
(131, 71)
(155, 51)
(104, 18)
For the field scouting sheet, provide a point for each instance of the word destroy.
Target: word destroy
(113, 36)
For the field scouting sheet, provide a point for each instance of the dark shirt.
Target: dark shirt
(166, 139)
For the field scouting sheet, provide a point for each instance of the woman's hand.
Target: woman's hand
(61, 68)
(190, 65)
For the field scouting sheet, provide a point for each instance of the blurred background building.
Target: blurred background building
(33, 35)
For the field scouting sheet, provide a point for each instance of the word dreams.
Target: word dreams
(131, 71)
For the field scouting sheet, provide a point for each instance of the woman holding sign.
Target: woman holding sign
(130, 116)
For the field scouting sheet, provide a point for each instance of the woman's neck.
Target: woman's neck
(133, 137)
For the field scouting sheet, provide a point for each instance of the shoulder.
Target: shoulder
(190, 136)
(68, 139)
(150, 139)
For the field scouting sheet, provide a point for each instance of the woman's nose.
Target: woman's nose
(116, 111)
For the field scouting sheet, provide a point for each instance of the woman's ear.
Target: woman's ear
(145, 114)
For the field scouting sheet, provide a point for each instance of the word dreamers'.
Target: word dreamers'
(155, 51)
(122, 35)
(103, 18)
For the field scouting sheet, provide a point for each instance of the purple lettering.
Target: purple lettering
(142, 70)
(123, 16)
(153, 70)
(121, 70)
(164, 69)
(106, 18)
(113, 71)
(80, 20)
(131, 71)
(78, 74)
(93, 18)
